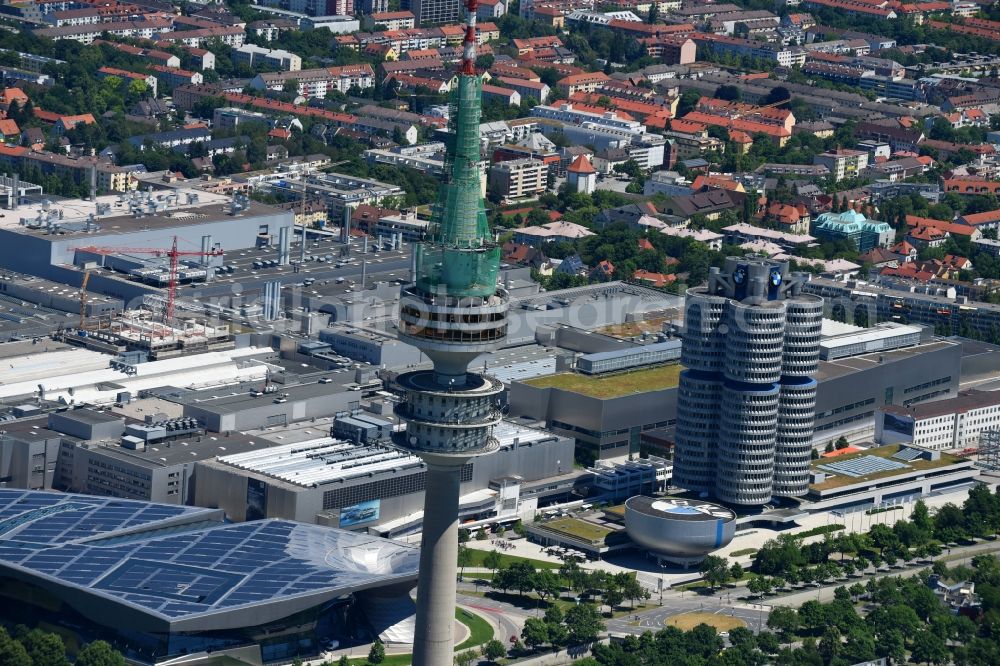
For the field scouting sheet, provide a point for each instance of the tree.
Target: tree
(44, 648)
(703, 641)
(783, 620)
(767, 642)
(343, 661)
(522, 576)
(99, 653)
(492, 561)
(376, 655)
(634, 591)
(464, 558)
(535, 632)
(812, 615)
(494, 650)
(921, 517)
(742, 637)
(583, 622)
(466, 658)
(12, 653)
(736, 571)
(758, 585)
(729, 93)
(715, 569)
(860, 646)
(829, 644)
(545, 583)
(929, 648)
(613, 596)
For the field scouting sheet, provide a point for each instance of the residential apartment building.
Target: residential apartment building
(434, 12)
(843, 163)
(402, 20)
(86, 34)
(586, 82)
(230, 35)
(171, 77)
(786, 56)
(248, 54)
(318, 82)
(518, 179)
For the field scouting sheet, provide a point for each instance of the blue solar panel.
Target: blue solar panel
(190, 568)
(862, 466)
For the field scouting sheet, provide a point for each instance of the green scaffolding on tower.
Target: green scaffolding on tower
(460, 258)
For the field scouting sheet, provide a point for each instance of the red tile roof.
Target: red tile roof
(581, 165)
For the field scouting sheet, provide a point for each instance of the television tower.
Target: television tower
(453, 311)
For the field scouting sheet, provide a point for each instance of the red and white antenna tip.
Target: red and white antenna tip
(469, 43)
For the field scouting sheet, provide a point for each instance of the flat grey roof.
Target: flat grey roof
(126, 224)
(219, 401)
(184, 450)
(91, 416)
(851, 364)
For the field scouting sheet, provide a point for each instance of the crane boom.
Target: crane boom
(83, 296)
(172, 253)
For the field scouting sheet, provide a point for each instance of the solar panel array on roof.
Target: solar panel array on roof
(191, 567)
(862, 466)
(907, 454)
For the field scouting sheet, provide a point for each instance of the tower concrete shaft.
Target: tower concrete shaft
(434, 639)
(453, 311)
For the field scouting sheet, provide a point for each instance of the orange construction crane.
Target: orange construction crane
(171, 252)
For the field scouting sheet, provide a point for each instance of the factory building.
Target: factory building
(950, 424)
(238, 409)
(371, 346)
(29, 455)
(129, 468)
(609, 425)
(45, 239)
(372, 487)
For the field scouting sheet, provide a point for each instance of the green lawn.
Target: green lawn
(477, 556)
(480, 630)
(578, 529)
(612, 386)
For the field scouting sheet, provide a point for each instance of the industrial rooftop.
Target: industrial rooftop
(321, 460)
(613, 386)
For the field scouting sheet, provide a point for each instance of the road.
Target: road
(655, 618)
(508, 619)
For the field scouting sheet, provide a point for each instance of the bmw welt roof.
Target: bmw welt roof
(157, 567)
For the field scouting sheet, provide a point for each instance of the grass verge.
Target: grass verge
(688, 621)
(480, 630)
(477, 557)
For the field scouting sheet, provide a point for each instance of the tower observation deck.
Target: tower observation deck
(454, 311)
